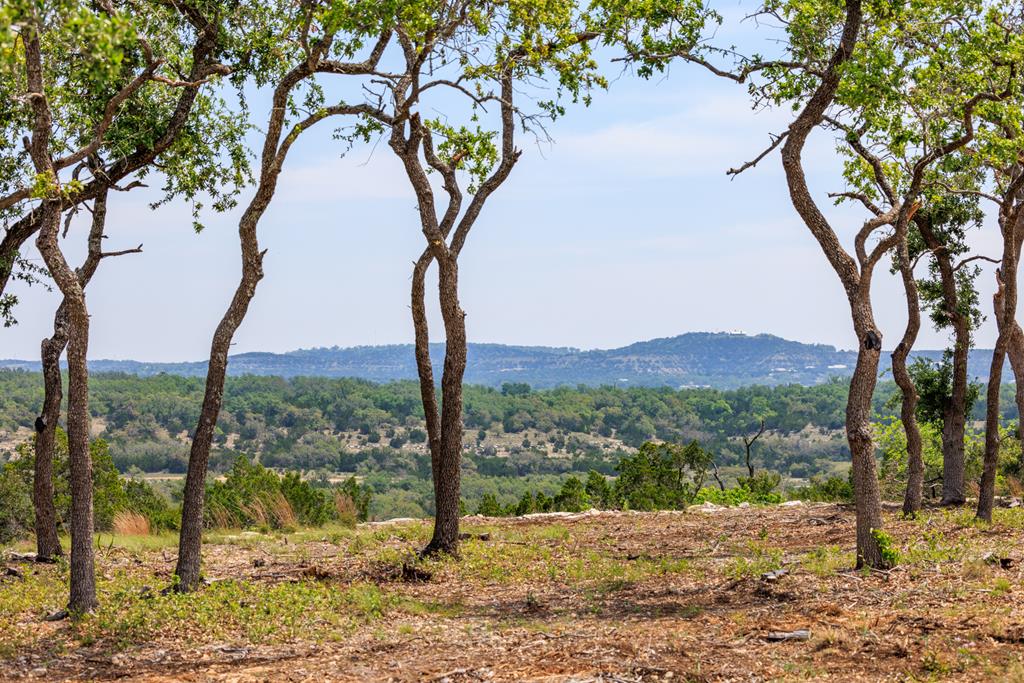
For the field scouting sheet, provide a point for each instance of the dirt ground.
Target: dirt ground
(589, 597)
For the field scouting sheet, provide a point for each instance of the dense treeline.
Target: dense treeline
(295, 422)
(518, 440)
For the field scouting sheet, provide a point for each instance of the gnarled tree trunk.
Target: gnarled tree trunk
(447, 476)
(276, 146)
(986, 495)
(859, 434)
(908, 406)
(83, 570)
(47, 541)
(187, 569)
(1004, 301)
(1015, 352)
(954, 418)
(857, 286)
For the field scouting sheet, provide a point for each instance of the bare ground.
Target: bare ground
(602, 597)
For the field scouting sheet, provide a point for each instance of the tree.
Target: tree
(310, 39)
(67, 134)
(952, 299)
(184, 46)
(1002, 149)
(597, 489)
(478, 51)
(910, 397)
(47, 542)
(662, 476)
(901, 106)
(573, 496)
(748, 443)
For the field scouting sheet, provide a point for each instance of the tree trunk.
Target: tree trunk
(954, 419)
(83, 571)
(448, 457)
(986, 496)
(953, 460)
(1015, 352)
(858, 433)
(275, 151)
(857, 285)
(908, 407)
(47, 541)
(187, 570)
(1005, 304)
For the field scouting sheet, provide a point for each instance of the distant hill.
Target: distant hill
(719, 360)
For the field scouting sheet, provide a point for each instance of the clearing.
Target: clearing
(610, 596)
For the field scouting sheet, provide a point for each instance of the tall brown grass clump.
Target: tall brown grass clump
(222, 517)
(282, 511)
(128, 523)
(347, 513)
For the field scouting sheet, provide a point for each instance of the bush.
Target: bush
(112, 493)
(761, 487)
(253, 496)
(831, 490)
(490, 507)
(661, 476)
(361, 496)
(16, 514)
(572, 497)
(598, 490)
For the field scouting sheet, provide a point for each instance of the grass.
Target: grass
(759, 559)
(670, 586)
(827, 560)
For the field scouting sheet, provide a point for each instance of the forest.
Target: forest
(220, 527)
(516, 439)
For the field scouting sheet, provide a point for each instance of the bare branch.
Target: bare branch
(861, 197)
(776, 141)
(976, 258)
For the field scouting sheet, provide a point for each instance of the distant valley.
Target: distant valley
(719, 360)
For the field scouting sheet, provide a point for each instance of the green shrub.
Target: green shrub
(661, 476)
(253, 496)
(490, 507)
(16, 515)
(142, 498)
(598, 490)
(527, 505)
(361, 496)
(762, 486)
(572, 497)
(112, 493)
(831, 490)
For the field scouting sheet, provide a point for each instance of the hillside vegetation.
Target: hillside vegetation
(517, 440)
(720, 360)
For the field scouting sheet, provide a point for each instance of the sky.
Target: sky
(625, 227)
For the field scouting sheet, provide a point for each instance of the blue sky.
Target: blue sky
(624, 228)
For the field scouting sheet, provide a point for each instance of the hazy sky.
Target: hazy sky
(625, 228)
